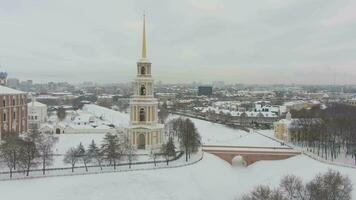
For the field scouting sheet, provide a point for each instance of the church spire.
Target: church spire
(144, 48)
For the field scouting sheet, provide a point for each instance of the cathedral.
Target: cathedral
(144, 131)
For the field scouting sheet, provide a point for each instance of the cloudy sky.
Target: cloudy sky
(239, 41)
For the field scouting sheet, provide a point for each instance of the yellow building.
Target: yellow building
(144, 132)
(281, 128)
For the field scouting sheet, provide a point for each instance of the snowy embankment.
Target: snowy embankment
(218, 134)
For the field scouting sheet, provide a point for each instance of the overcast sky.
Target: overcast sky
(239, 41)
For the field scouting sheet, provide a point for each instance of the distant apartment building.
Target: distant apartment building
(13, 111)
(26, 85)
(205, 90)
(13, 83)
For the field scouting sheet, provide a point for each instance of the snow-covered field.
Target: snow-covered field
(211, 178)
(218, 134)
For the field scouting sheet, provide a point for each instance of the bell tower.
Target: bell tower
(145, 131)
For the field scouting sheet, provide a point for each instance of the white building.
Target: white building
(37, 113)
(144, 130)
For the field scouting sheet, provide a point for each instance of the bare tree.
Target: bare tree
(71, 157)
(28, 155)
(12, 144)
(45, 144)
(329, 186)
(8, 156)
(82, 154)
(127, 149)
(259, 193)
(293, 187)
(190, 139)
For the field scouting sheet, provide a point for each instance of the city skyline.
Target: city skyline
(238, 42)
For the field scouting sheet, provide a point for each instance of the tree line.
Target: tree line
(329, 186)
(328, 132)
(34, 149)
(28, 151)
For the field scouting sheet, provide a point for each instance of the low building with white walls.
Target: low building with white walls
(37, 114)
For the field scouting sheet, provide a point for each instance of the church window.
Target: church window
(142, 114)
(143, 90)
(143, 70)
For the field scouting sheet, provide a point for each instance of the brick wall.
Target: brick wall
(13, 113)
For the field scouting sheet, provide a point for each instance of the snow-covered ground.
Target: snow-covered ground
(211, 178)
(119, 119)
(218, 134)
(66, 141)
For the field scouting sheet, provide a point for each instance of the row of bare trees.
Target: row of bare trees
(27, 152)
(328, 132)
(329, 186)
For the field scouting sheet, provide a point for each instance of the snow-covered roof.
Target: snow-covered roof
(6, 90)
(236, 113)
(36, 104)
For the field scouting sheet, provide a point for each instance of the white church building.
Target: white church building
(37, 113)
(144, 130)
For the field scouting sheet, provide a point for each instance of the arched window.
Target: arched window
(142, 114)
(143, 90)
(143, 71)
